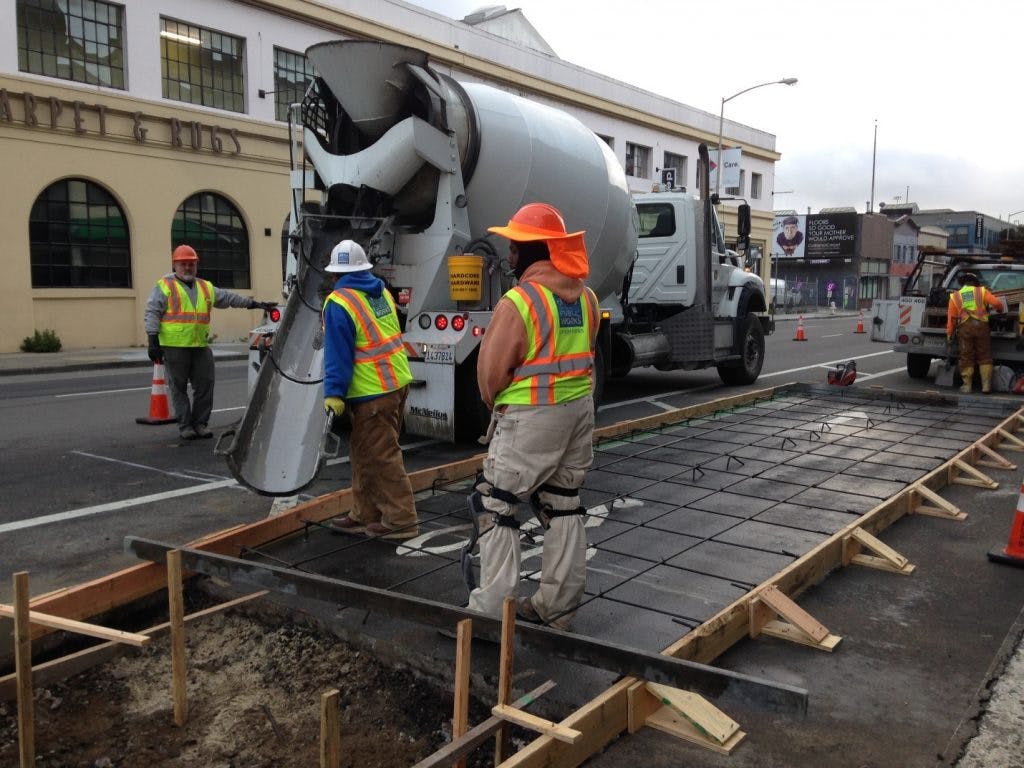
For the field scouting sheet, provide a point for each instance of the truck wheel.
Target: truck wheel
(471, 415)
(748, 367)
(918, 365)
(600, 373)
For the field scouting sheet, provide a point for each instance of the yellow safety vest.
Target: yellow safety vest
(971, 305)
(559, 359)
(380, 364)
(183, 325)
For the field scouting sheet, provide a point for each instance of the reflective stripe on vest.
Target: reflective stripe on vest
(183, 325)
(969, 305)
(380, 364)
(559, 358)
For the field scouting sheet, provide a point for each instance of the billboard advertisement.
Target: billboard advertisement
(788, 237)
(815, 236)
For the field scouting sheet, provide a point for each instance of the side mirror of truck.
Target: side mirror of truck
(743, 222)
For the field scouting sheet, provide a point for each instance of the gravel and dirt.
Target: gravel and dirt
(254, 700)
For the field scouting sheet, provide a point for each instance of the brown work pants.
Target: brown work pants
(381, 491)
(975, 344)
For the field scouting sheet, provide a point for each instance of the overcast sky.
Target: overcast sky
(942, 79)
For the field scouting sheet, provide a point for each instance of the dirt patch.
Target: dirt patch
(254, 700)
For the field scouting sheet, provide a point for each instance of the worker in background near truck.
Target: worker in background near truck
(535, 374)
(177, 322)
(967, 316)
(365, 366)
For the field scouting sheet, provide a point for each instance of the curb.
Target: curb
(70, 367)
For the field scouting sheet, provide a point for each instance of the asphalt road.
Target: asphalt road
(78, 474)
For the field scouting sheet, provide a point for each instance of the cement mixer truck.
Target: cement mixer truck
(414, 165)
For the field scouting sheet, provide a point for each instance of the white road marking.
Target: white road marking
(831, 335)
(104, 392)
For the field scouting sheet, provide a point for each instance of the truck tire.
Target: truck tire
(471, 415)
(918, 365)
(748, 367)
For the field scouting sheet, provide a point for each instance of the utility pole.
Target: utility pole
(874, 152)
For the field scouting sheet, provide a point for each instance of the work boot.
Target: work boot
(381, 531)
(202, 431)
(967, 374)
(986, 377)
(188, 433)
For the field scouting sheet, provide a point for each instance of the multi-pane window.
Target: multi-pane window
(638, 161)
(80, 40)
(292, 75)
(678, 162)
(201, 66)
(756, 182)
(78, 238)
(214, 227)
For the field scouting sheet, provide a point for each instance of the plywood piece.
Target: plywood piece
(538, 724)
(669, 722)
(79, 627)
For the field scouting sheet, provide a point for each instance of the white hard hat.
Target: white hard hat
(348, 256)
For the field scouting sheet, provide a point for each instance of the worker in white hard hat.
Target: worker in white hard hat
(366, 370)
(177, 321)
(535, 373)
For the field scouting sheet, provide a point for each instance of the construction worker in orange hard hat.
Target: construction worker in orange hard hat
(177, 321)
(535, 373)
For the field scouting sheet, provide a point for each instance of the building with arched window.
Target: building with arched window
(128, 128)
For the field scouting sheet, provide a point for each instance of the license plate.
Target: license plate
(439, 354)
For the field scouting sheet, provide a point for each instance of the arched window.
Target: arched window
(214, 227)
(78, 238)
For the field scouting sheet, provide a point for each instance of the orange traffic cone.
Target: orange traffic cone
(159, 411)
(1013, 554)
(860, 323)
(800, 330)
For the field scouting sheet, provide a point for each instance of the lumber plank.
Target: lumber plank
(993, 459)
(503, 738)
(667, 721)
(330, 730)
(794, 634)
(707, 718)
(793, 613)
(23, 669)
(79, 627)
(538, 724)
(890, 556)
(176, 610)
(463, 651)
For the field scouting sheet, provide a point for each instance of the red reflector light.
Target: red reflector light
(478, 331)
(458, 323)
(404, 296)
(275, 315)
(440, 322)
(903, 338)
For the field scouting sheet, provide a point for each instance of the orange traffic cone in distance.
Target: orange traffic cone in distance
(800, 330)
(159, 409)
(860, 323)
(1013, 554)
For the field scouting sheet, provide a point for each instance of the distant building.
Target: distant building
(968, 231)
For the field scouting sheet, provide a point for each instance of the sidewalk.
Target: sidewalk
(15, 363)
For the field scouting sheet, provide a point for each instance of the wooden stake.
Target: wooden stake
(979, 479)
(460, 717)
(682, 714)
(502, 739)
(885, 559)
(330, 730)
(23, 669)
(176, 606)
(799, 627)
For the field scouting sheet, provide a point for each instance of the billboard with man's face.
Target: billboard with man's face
(788, 238)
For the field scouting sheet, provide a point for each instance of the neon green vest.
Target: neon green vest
(183, 325)
(972, 302)
(559, 359)
(380, 364)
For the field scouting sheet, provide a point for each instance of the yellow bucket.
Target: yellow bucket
(465, 277)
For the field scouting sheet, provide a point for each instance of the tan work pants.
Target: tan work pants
(533, 445)
(381, 491)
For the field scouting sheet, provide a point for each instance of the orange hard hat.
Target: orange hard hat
(184, 253)
(540, 221)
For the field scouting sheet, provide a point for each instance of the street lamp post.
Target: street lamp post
(721, 121)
